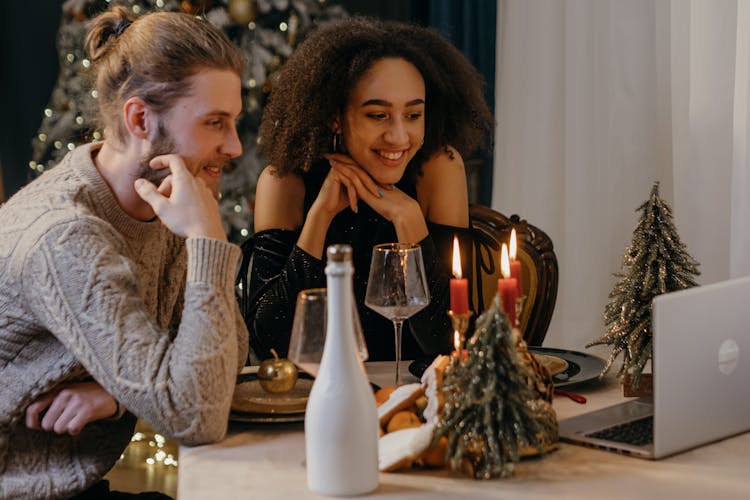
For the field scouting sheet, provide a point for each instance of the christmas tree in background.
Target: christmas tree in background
(266, 30)
(496, 407)
(656, 262)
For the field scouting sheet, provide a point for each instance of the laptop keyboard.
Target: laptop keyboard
(637, 432)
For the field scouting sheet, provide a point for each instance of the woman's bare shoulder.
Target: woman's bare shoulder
(279, 200)
(442, 189)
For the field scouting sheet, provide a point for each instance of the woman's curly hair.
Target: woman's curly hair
(312, 88)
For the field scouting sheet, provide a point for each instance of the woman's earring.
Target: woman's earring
(338, 143)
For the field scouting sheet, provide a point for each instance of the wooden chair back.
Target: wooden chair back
(538, 263)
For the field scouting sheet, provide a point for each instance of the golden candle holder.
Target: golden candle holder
(520, 301)
(460, 322)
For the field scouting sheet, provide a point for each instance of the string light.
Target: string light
(158, 458)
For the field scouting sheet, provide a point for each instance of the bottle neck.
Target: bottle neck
(340, 341)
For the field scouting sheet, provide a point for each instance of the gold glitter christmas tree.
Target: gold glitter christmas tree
(656, 262)
(497, 408)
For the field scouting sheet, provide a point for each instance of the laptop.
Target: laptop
(701, 374)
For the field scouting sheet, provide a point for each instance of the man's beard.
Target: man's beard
(162, 144)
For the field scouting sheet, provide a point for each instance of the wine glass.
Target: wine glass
(397, 286)
(309, 330)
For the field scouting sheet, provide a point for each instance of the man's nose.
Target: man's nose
(232, 147)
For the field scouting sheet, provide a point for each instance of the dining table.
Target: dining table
(267, 460)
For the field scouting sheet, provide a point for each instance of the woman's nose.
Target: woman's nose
(396, 133)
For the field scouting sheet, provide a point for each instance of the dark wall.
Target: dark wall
(401, 10)
(27, 76)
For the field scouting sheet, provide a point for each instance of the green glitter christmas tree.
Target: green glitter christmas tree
(494, 409)
(267, 32)
(656, 262)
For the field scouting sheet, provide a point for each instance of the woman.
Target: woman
(365, 131)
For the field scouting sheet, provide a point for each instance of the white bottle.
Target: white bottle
(341, 422)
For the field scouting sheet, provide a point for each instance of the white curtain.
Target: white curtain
(597, 100)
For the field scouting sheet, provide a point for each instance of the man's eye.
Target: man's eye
(215, 124)
(414, 116)
(377, 116)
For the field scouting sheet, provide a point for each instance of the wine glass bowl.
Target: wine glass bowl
(397, 287)
(309, 325)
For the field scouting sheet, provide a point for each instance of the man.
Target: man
(116, 279)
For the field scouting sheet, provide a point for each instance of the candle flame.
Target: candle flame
(505, 262)
(513, 244)
(456, 340)
(456, 259)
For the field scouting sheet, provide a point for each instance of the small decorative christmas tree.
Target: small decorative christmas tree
(656, 262)
(494, 411)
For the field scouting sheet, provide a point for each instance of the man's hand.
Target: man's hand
(68, 408)
(183, 202)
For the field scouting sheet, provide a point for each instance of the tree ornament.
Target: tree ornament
(494, 409)
(196, 7)
(656, 262)
(242, 11)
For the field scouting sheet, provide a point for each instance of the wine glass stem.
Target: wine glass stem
(397, 325)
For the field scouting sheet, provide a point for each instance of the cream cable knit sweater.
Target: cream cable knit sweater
(87, 290)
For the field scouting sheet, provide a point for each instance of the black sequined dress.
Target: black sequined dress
(278, 270)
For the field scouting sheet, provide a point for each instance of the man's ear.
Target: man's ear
(139, 118)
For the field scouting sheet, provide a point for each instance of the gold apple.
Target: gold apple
(278, 374)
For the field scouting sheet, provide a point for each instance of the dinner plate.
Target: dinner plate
(582, 367)
(251, 399)
(266, 418)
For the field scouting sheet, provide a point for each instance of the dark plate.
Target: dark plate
(582, 367)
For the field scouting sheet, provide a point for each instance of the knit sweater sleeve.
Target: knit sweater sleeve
(81, 287)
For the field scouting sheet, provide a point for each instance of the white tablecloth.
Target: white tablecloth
(262, 461)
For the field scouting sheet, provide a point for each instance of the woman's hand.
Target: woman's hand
(390, 202)
(335, 194)
(67, 409)
(338, 191)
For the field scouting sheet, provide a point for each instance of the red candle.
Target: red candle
(459, 286)
(507, 287)
(515, 265)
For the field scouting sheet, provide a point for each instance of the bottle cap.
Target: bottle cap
(339, 253)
